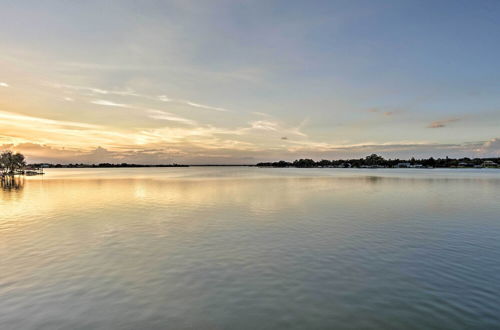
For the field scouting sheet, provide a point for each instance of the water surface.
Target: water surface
(250, 248)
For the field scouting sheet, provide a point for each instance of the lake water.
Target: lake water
(251, 248)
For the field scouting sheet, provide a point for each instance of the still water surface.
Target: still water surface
(250, 248)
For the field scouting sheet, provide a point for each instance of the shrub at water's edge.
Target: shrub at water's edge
(11, 163)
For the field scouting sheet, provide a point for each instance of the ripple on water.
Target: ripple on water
(290, 250)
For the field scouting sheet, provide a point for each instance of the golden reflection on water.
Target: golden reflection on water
(41, 202)
(14, 182)
(72, 194)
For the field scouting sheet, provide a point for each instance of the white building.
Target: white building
(403, 165)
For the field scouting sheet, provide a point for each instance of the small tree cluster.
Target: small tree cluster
(11, 162)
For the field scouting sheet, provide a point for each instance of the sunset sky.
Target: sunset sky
(247, 81)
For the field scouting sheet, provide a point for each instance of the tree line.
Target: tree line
(12, 163)
(375, 160)
(100, 165)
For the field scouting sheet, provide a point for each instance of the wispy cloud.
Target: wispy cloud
(396, 149)
(274, 126)
(152, 113)
(219, 149)
(23, 128)
(109, 103)
(490, 147)
(202, 106)
(165, 98)
(298, 130)
(264, 125)
(385, 113)
(163, 115)
(17, 118)
(442, 123)
(130, 92)
(262, 114)
(67, 141)
(98, 91)
(4, 84)
(269, 123)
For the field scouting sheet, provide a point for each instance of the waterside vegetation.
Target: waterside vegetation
(12, 164)
(376, 161)
(15, 164)
(102, 165)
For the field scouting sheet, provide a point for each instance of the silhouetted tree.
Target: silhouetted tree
(11, 162)
(324, 163)
(304, 163)
(374, 159)
(377, 160)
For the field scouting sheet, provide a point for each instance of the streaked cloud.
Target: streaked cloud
(18, 118)
(274, 126)
(69, 134)
(442, 123)
(130, 92)
(386, 113)
(216, 151)
(93, 90)
(163, 115)
(109, 103)
(203, 106)
(264, 125)
(262, 114)
(164, 98)
(491, 147)
(4, 84)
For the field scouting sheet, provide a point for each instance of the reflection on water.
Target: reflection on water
(225, 248)
(11, 182)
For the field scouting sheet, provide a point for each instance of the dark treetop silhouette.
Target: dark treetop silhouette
(375, 160)
(11, 163)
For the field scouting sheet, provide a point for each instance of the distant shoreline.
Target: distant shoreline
(376, 161)
(138, 165)
(372, 161)
(264, 166)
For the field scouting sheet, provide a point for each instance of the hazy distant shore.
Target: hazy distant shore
(371, 161)
(376, 161)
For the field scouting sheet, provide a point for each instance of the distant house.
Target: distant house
(489, 163)
(372, 166)
(344, 165)
(33, 170)
(403, 165)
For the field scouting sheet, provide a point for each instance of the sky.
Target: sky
(239, 82)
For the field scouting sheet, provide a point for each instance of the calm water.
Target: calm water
(249, 248)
